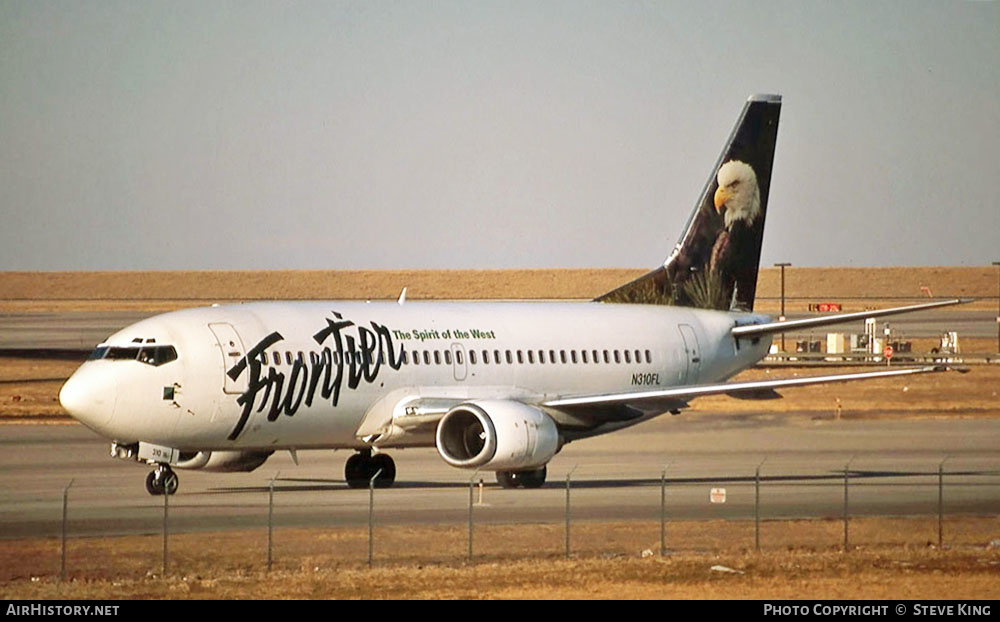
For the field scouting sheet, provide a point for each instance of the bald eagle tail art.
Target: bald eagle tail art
(714, 264)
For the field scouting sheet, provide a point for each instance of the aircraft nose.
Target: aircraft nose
(89, 396)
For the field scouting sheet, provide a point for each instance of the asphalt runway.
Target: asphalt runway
(84, 330)
(892, 469)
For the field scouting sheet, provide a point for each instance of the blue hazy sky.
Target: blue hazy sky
(350, 135)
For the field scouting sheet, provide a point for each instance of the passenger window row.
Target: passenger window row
(476, 357)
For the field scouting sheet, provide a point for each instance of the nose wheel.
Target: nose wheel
(162, 481)
(362, 466)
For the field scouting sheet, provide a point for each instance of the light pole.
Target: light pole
(782, 318)
(997, 264)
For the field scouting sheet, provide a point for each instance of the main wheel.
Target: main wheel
(532, 479)
(356, 471)
(362, 467)
(506, 479)
(388, 467)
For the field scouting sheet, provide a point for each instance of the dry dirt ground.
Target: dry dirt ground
(888, 558)
(855, 288)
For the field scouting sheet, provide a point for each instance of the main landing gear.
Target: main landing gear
(532, 478)
(162, 481)
(362, 466)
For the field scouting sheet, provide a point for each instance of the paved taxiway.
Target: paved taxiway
(893, 470)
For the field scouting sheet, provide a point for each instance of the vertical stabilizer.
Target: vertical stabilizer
(714, 264)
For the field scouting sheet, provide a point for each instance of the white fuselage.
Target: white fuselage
(335, 374)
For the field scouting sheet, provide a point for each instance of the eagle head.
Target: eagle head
(738, 193)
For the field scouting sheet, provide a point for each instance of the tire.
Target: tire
(532, 479)
(356, 471)
(388, 474)
(507, 479)
(152, 486)
(170, 482)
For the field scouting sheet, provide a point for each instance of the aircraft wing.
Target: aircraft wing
(646, 400)
(756, 330)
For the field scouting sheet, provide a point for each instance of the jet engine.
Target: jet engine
(497, 435)
(222, 461)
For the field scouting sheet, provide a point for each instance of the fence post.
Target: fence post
(166, 530)
(846, 472)
(941, 503)
(270, 522)
(472, 489)
(756, 506)
(568, 475)
(62, 573)
(371, 517)
(663, 512)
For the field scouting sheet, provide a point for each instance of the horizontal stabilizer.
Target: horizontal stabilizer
(756, 330)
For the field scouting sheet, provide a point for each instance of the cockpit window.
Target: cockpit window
(99, 353)
(151, 355)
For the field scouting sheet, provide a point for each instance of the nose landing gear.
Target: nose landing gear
(162, 481)
(362, 466)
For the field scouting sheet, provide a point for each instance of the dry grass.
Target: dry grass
(950, 395)
(158, 291)
(891, 558)
(30, 387)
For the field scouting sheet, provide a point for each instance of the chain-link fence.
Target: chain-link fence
(295, 524)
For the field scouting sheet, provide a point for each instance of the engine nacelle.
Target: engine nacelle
(222, 461)
(496, 435)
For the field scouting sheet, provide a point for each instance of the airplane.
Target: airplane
(493, 386)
